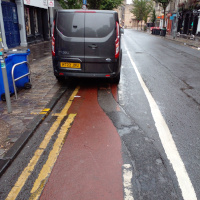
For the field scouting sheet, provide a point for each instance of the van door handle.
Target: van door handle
(93, 46)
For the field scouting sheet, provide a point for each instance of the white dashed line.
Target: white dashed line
(127, 175)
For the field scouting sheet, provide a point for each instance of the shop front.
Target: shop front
(169, 23)
(189, 18)
(36, 20)
(172, 23)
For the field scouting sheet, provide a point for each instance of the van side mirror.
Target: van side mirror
(121, 31)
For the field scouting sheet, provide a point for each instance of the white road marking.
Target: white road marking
(127, 175)
(168, 143)
(120, 95)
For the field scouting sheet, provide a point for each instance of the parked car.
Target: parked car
(86, 43)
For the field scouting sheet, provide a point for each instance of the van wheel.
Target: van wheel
(116, 79)
(60, 78)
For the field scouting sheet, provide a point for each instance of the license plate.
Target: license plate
(70, 65)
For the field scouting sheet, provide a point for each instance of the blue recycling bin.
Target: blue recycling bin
(13, 58)
(9, 64)
(20, 56)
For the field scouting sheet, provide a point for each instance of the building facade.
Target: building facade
(25, 22)
(126, 18)
(182, 16)
(189, 17)
(36, 20)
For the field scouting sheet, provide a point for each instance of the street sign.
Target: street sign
(84, 2)
(50, 3)
(3, 63)
(84, 7)
(37, 3)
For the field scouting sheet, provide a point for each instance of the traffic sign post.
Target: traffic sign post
(84, 7)
(51, 3)
(4, 74)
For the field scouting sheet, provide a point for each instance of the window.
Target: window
(35, 20)
(71, 24)
(27, 20)
(98, 24)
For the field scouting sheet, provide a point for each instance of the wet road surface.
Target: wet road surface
(140, 144)
(161, 78)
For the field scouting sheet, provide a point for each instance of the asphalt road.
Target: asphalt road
(137, 141)
(171, 74)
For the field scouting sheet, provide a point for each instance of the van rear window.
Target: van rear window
(71, 24)
(98, 25)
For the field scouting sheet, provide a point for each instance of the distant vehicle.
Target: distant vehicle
(86, 43)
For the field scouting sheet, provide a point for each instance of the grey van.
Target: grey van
(86, 43)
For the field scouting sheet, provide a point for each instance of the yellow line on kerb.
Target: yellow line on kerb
(48, 166)
(29, 169)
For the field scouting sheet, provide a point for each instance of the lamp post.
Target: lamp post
(176, 21)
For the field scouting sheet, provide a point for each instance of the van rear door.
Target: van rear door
(99, 41)
(70, 38)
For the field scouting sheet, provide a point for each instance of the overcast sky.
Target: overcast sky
(129, 1)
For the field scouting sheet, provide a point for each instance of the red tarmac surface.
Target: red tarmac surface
(90, 164)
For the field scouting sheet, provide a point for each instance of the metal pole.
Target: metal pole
(84, 7)
(4, 74)
(3, 36)
(176, 21)
(51, 19)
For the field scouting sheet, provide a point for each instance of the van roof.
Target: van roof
(85, 11)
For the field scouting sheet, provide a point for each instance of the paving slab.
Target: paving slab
(30, 102)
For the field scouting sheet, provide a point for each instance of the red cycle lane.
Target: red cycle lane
(89, 166)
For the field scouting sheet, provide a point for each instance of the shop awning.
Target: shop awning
(160, 17)
(172, 17)
(37, 3)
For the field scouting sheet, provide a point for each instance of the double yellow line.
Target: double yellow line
(46, 170)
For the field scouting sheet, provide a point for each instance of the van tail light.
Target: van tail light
(117, 41)
(53, 40)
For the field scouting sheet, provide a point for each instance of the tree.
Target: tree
(142, 9)
(153, 17)
(164, 4)
(110, 4)
(148, 10)
(74, 4)
(71, 4)
(104, 4)
(138, 7)
(92, 4)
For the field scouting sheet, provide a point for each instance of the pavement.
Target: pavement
(18, 126)
(34, 104)
(186, 40)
